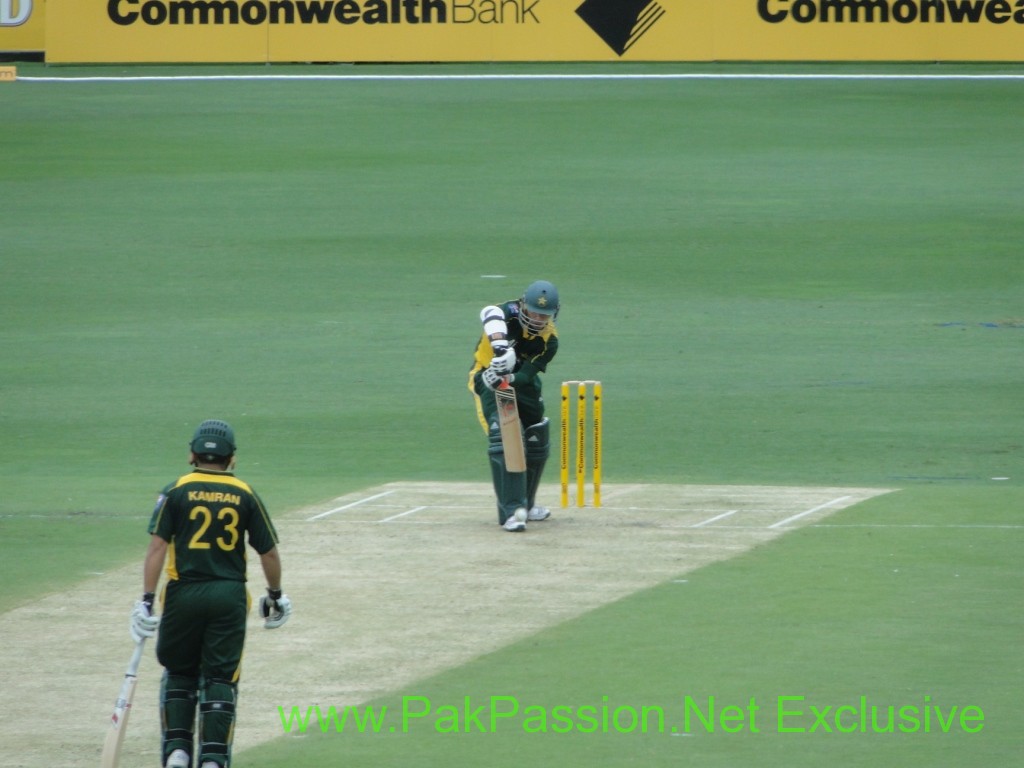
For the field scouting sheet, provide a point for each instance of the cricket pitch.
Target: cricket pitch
(390, 585)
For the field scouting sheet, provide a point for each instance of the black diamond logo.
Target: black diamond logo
(620, 23)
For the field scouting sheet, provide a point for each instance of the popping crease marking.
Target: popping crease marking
(350, 506)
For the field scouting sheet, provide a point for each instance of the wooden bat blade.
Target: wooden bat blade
(511, 429)
(122, 709)
(118, 725)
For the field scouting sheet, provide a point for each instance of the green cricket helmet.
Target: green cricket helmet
(538, 306)
(213, 438)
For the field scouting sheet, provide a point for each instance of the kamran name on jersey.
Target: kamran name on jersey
(213, 497)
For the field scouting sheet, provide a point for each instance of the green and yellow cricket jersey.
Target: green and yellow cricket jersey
(533, 352)
(206, 517)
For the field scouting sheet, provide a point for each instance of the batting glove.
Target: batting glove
(504, 359)
(492, 379)
(275, 608)
(143, 623)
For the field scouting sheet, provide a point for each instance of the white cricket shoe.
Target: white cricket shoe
(539, 513)
(210, 764)
(178, 759)
(517, 522)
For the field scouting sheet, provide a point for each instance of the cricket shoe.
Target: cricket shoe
(178, 759)
(516, 523)
(538, 513)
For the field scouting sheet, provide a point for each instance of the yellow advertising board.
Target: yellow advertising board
(532, 30)
(22, 25)
(145, 31)
(374, 30)
(869, 30)
(490, 30)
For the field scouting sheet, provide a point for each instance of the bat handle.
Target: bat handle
(133, 664)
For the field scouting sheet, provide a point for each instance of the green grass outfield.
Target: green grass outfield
(780, 281)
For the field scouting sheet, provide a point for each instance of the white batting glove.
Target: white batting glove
(504, 359)
(491, 378)
(142, 623)
(275, 608)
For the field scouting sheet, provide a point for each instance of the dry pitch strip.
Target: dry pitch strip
(390, 585)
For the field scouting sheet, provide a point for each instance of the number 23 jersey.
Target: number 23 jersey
(206, 516)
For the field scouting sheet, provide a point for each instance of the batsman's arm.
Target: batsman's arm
(154, 563)
(271, 562)
(275, 607)
(495, 327)
(527, 374)
(142, 622)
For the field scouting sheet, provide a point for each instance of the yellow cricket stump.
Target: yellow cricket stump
(582, 388)
(596, 469)
(564, 462)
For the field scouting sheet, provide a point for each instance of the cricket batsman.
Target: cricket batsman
(199, 529)
(519, 339)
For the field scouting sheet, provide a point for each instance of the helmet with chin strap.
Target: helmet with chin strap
(538, 306)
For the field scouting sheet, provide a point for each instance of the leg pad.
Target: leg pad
(217, 721)
(178, 696)
(538, 448)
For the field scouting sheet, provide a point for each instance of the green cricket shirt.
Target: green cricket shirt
(206, 517)
(533, 351)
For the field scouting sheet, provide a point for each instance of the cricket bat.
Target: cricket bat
(511, 429)
(122, 708)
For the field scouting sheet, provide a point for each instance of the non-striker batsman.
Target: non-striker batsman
(199, 529)
(518, 341)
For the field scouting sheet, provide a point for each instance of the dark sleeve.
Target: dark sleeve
(537, 362)
(262, 534)
(161, 523)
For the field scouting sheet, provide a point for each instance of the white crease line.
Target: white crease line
(348, 506)
(608, 494)
(402, 514)
(818, 508)
(714, 519)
